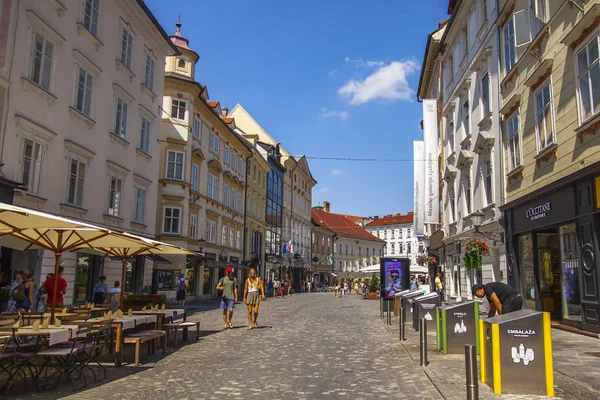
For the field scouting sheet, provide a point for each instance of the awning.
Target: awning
(158, 259)
(212, 264)
(435, 240)
(239, 266)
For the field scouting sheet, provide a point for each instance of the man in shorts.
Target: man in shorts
(229, 286)
(181, 289)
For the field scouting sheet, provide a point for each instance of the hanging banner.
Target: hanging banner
(419, 189)
(431, 161)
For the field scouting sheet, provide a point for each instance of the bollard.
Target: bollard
(423, 332)
(401, 324)
(389, 316)
(471, 369)
(381, 308)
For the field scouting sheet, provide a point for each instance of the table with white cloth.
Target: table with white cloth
(52, 334)
(163, 314)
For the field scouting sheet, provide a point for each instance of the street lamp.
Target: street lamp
(201, 243)
(478, 217)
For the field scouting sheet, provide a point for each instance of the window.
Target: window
(254, 172)
(514, 145)
(213, 185)
(114, 195)
(75, 184)
(231, 237)
(487, 180)
(121, 109)
(393, 248)
(451, 134)
(588, 72)
(175, 165)
(195, 177)
(537, 16)
(233, 198)
(178, 109)
(466, 120)
(226, 154)
(41, 60)
(145, 135)
(197, 128)
(240, 165)
(346, 249)
(214, 143)
(181, 63)
(452, 201)
(211, 231)
(467, 187)
(238, 239)
(126, 47)
(509, 46)
(83, 98)
(193, 226)
(149, 72)
(340, 249)
(408, 248)
(233, 161)
(171, 221)
(224, 235)
(140, 205)
(31, 165)
(544, 125)
(239, 200)
(226, 194)
(485, 94)
(90, 16)
(483, 12)
(368, 252)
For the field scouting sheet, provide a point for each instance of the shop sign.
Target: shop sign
(538, 212)
(234, 259)
(211, 256)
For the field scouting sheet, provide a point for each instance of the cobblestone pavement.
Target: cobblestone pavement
(309, 346)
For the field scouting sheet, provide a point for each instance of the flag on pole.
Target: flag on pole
(330, 259)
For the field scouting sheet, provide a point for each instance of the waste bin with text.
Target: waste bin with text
(406, 301)
(457, 324)
(424, 307)
(516, 353)
(397, 297)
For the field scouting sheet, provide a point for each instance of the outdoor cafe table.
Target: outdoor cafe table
(122, 324)
(52, 334)
(162, 314)
(60, 315)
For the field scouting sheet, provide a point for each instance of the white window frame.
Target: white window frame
(88, 91)
(211, 231)
(115, 195)
(149, 67)
(193, 226)
(513, 130)
(231, 237)
(90, 16)
(239, 200)
(487, 173)
(224, 232)
(596, 64)
(233, 198)
(120, 117)
(175, 164)
(176, 107)
(486, 106)
(541, 147)
(139, 212)
(466, 109)
(195, 178)
(36, 165)
(197, 128)
(536, 9)
(233, 162)
(240, 165)
(79, 182)
(214, 144)
(45, 70)
(509, 47)
(126, 47)
(467, 189)
(170, 231)
(226, 153)
(213, 187)
(145, 132)
(225, 194)
(450, 132)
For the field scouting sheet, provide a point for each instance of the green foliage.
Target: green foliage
(373, 283)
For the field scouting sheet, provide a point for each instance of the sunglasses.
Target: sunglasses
(395, 276)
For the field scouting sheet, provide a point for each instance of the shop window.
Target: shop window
(164, 279)
(207, 278)
(83, 277)
(526, 264)
(569, 260)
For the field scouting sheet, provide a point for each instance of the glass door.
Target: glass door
(528, 287)
(569, 263)
(548, 260)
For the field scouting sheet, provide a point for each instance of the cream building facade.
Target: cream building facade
(549, 79)
(80, 90)
(202, 176)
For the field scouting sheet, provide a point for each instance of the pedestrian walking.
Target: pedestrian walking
(228, 284)
(181, 290)
(356, 288)
(270, 287)
(336, 289)
(439, 286)
(115, 296)
(276, 285)
(42, 296)
(288, 287)
(100, 291)
(254, 291)
(503, 299)
(282, 288)
(61, 287)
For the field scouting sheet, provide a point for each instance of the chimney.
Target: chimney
(225, 111)
(326, 205)
(376, 218)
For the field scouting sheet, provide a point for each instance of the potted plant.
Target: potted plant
(373, 286)
(474, 250)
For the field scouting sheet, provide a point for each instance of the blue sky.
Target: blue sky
(327, 78)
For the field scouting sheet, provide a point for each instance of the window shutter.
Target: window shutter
(522, 32)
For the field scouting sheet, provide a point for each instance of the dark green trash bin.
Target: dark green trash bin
(457, 325)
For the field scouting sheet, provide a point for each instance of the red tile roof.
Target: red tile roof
(392, 220)
(213, 104)
(353, 218)
(342, 225)
(227, 120)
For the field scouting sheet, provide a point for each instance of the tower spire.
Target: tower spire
(178, 25)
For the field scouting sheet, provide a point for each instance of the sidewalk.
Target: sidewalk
(576, 367)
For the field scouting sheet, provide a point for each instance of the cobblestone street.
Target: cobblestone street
(309, 346)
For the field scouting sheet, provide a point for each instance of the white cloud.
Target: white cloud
(325, 190)
(333, 72)
(336, 172)
(360, 63)
(388, 83)
(336, 114)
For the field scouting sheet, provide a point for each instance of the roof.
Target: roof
(342, 226)
(353, 218)
(157, 25)
(392, 220)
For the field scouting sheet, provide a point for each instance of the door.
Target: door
(549, 272)
(570, 275)
(588, 249)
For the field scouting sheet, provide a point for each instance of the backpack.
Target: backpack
(181, 285)
(18, 293)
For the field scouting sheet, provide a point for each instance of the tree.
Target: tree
(373, 283)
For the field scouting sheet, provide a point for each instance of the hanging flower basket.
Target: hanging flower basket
(474, 250)
(422, 260)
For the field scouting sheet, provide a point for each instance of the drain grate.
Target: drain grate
(594, 353)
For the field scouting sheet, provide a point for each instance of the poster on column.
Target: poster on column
(431, 160)
(394, 276)
(418, 188)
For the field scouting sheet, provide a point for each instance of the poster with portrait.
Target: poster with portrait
(394, 276)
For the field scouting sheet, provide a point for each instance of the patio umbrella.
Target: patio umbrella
(148, 247)
(24, 229)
